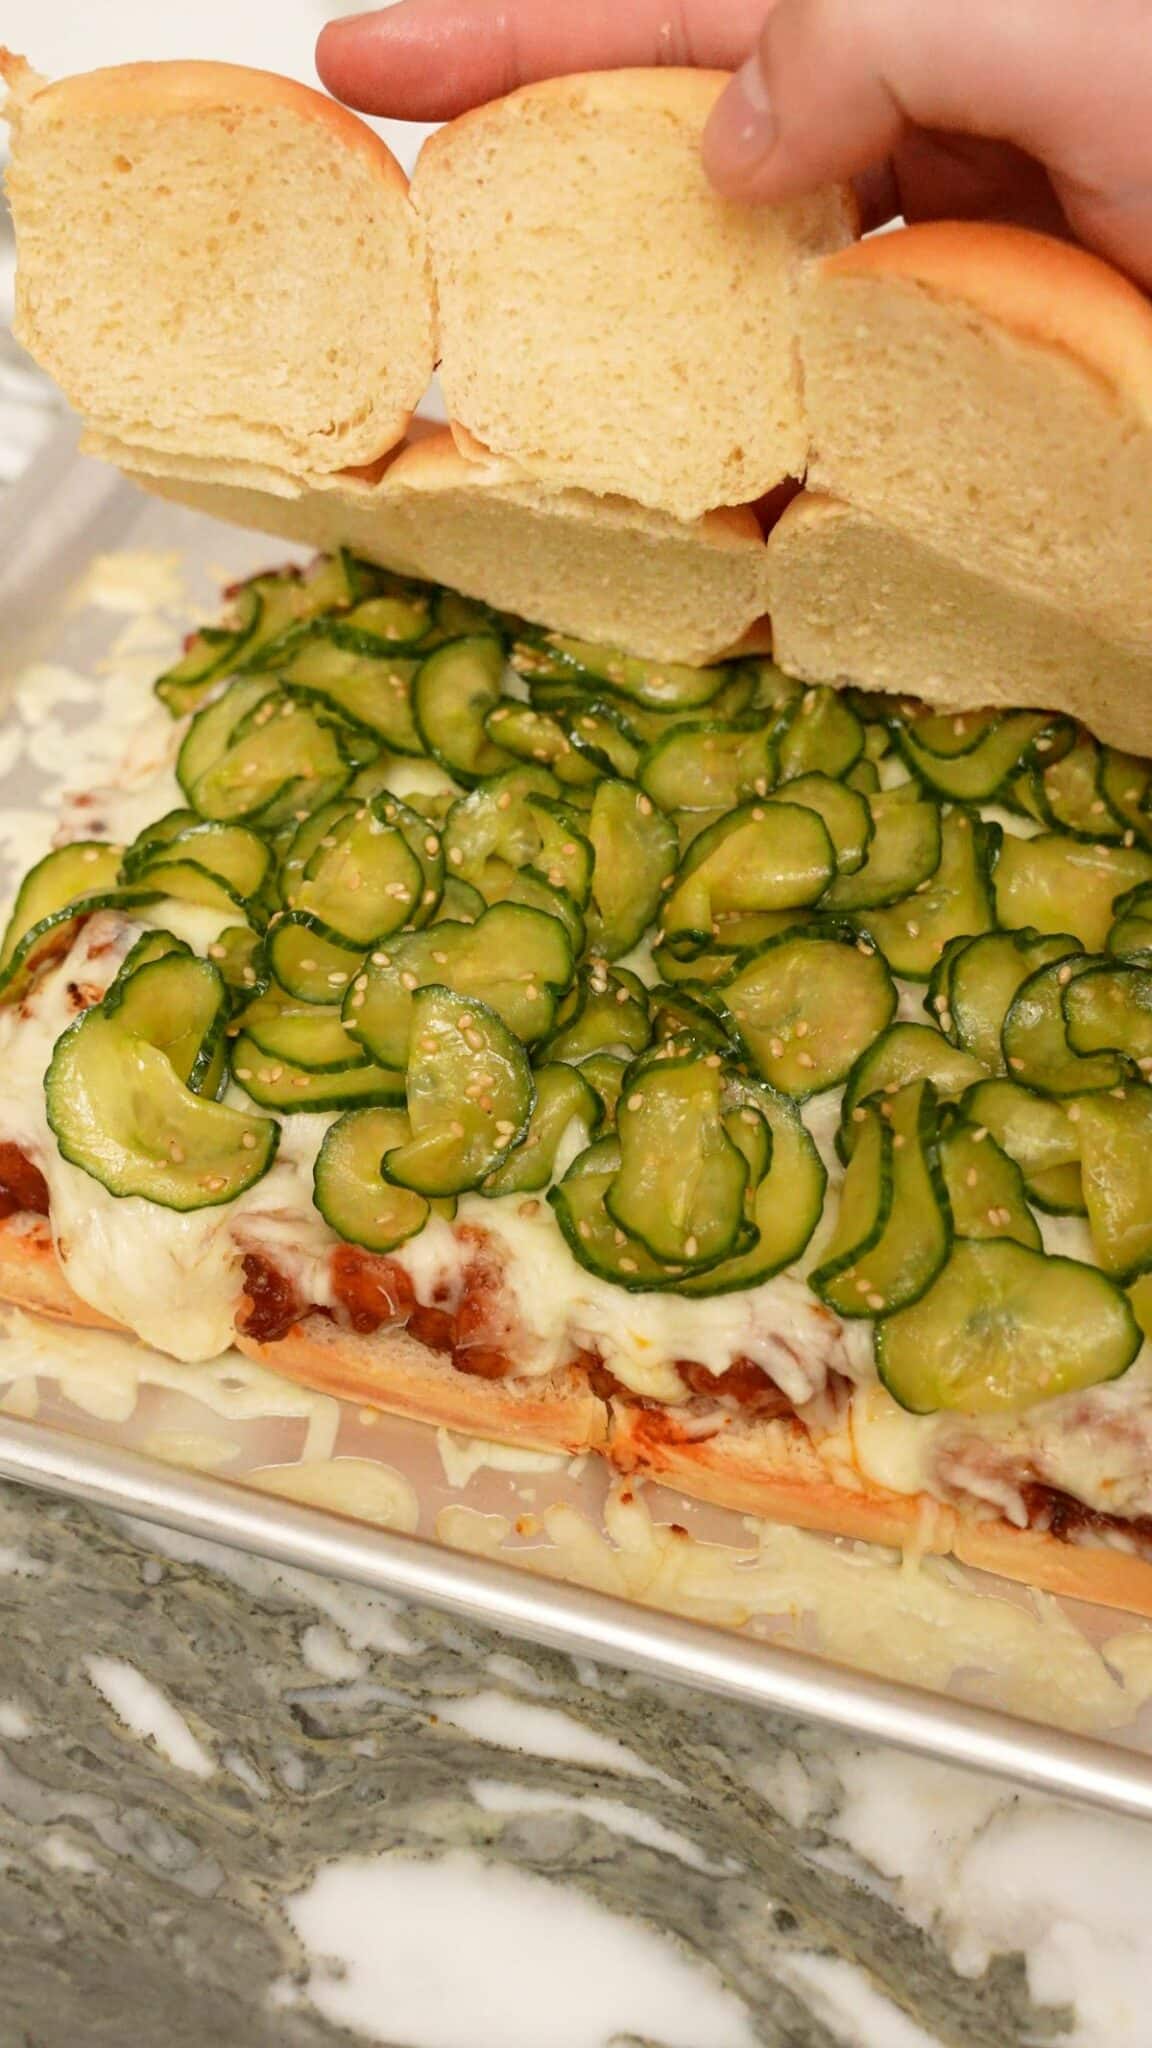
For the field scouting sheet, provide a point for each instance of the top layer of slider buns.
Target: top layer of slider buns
(218, 262)
(606, 319)
(988, 393)
(220, 266)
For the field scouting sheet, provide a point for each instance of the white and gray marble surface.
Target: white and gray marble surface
(243, 1807)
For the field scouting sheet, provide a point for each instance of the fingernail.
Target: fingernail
(742, 131)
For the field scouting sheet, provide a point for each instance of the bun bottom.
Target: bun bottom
(768, 1469)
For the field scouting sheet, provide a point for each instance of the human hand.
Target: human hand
(1035, 111)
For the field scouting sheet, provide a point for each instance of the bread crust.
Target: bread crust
(772, 1470)
(1050, 292)
(168, 87)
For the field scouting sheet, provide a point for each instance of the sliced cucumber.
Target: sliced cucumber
(310, 1036)
(783, 1205)
(470, 1095)
(1056, 884)
(452, 694)
(805, 1007)
(179, 1005)
(308, 964)
(661, 685)
(119, 1110)
(52, 899)
(709, 767)
(1037, 1050)
(982, 977)
(955, 902)
(604, 738)
(372, 692)
(1109, 1009)
(1004, 1327)
(349, 1190)
(635, 848)
(904, 851)
(366, 885)
(846, 816)
(680, 1188)
(1115, 1133)
(823, 736)
(605, 1072)
(1124, 782)
(539, 737)
(904, 1053)
(986, 1191)
(278, 1083)
(280, 759)
(563, 1097)
(606, 1011)
(1038, 1133)
(769, 856)
(513, 959)
(1068, 796)
(894, 1228)
(596, 1242)
(994, 748)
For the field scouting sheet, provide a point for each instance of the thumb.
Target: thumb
(834, 86)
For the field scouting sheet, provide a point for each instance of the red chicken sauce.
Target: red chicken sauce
(23, 1187)
(273, 1305)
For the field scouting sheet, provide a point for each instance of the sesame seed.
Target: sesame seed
(504, 800)
(214, 1182)
(1016, 1065)
(337, 978)
(428, 1043)
(474, 1041)
(618, 1237)
(531, 991)
(381, 959)
(776, 1048)
(912, 928)
(802, 1028)
(622, 995)
(945, 1020)
(691, 1247)
(301, 1080)
(971, 1177)
(528, 1209)
(176, 1152)
(456, 1130)
(875, 1301)
(979, 1135)
(243, 1073)
(584, 1229)
(409, 981)
(636, 1101)
(455, 856)
(628, 1266)
(248, 1141)
(805, 1059)
(898, 1141)
(1073, 1112)
(217, 952)
(1129, 838)
(1096, 809)
(858, 1115)
(431, 844)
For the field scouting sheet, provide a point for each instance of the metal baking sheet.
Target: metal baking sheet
(234, 1454)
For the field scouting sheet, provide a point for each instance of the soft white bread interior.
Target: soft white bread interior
(599, 568)
(853, 601)
(988, 392)
(217, 263)
(606, 319)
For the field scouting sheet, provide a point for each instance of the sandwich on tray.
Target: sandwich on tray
(529, 1004)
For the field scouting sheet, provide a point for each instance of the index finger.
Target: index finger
(428, 60)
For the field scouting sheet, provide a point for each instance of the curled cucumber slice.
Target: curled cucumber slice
(470, 1095)
(454, 690)
(894, 1228)
(1004, 1327)
(1115, 1133)
(513, 959)
(763, 857)
(680, 1188)
(119, 1110)
(563, 1098)
(806, 1007)
(1056, 884)
(635, 848)
(349, 1190)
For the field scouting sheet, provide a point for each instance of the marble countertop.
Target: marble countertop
(245, 1806)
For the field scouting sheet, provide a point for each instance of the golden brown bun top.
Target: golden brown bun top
(153, 90)
(1047, 291)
